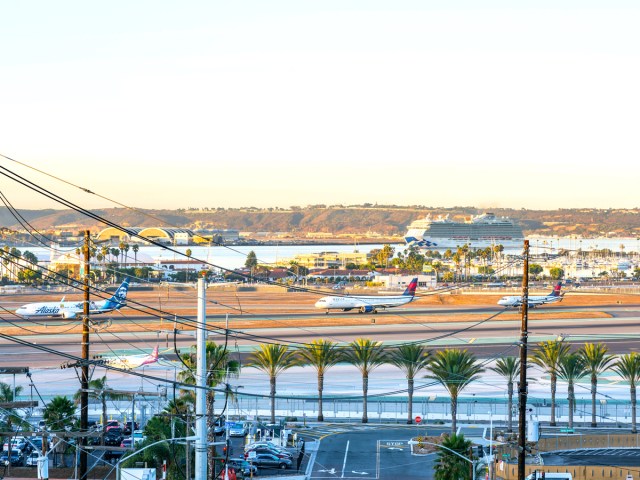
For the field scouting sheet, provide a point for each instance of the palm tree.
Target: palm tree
(454, 370)
(596, 361)
(7, 394)
(450, 466)
(547, 357)
(218, 365)
(571, 368)
(122, 246)
(272, 359)
(135, 249)
(59, 413)
(98, 390)
(508, 367)
(410, 358)
(365, 355)
(628, 367)
(322, 355)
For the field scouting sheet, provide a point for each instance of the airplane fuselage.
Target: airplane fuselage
(364, 304)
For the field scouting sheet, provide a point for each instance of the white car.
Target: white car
(32, 459)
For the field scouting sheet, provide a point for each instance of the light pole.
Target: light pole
(490, 445)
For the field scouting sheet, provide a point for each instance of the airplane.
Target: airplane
(72, 309)
(129, 362)
(368, 304)
(535, 301)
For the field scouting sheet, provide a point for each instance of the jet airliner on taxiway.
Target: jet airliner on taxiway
(535, 301)
(72, 309)
(368, 304)
(129, 362)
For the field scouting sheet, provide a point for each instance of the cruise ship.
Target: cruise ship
(481, 231)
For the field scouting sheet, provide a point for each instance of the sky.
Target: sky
(167, 104)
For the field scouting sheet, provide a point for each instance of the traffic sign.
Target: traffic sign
(418, 419)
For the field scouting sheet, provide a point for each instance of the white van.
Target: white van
(548, 476)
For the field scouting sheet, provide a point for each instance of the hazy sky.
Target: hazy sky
(532, 104)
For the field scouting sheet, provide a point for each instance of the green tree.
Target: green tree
(454, 369)
(252, 261)
(556, 273)
(596, 362)
(628, 367)
(509, 368)
(448, 465)
(365, 355)
(272, 359)
(98, 390)
(10, 417)
(135, 249)
(322, 355)
(547, 356)
(570, 369)
(411, 359)
(59, 413)
(535, 269)
(218, 366)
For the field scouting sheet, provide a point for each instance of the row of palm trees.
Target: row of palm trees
(454, 369)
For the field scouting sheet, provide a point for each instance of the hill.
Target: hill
(360, 220)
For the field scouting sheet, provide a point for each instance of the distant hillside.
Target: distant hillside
(363, 219)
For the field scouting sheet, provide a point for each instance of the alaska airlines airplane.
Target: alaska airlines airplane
(129, 362)
(535, 301)
(72, 309)
(368, 304)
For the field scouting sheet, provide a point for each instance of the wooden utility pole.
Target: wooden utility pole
(522, 387)
(84, 374)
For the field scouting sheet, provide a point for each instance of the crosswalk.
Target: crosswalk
(598, 452)
(319, 431)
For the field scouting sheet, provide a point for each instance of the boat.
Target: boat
(481, 231)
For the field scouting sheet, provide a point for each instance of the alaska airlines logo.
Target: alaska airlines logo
(44, 310)
(121, 294)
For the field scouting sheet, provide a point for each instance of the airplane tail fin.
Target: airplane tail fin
(154, 354)
(556, 290)
(119, 299)
(411, 289)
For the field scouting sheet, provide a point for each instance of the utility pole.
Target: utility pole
(201, 381)
(522, 387)
(84, 374)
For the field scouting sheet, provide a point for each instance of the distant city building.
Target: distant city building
(165, 236)
(328, 259)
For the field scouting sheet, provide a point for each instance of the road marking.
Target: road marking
(332, 471)
(359, 473)
(344, 464)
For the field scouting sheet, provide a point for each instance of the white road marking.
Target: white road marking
(344, 464)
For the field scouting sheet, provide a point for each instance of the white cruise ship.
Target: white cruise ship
(481, 231)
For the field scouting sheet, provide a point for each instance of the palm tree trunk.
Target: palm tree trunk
(510, 394)
(553, 401)
(454, 414)
(272, 381)
(633, 408)
(320, 388)
(572, 400)
(410, 401)
(594, 388)
(103, 397)
(365, 388)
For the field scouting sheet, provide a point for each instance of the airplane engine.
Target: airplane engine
(68, 314)
(368, 309)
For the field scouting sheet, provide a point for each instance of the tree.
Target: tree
(454, 369)
(218, 366)
(251, 262)
(556, 273)
(272, 359)
(448, 465)
(571, 368)
(365, 355)
(411, 359)
(322, 355)
(135, 249)
(10, 417)
(535, 269)
(628, 367)
(547, 356)
(596, 362)
(98, 390)
(509, 368)
(59, 413)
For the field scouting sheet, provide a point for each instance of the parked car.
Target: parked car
(126, 443)
(18, 444)
(111, 424)
(113, 437)
(16, 459)
(219, 427)
(32, 459)
(128, 425)
(268, 445)
(269, 451)
(243, 466)
(267, 460)
(237, 430)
